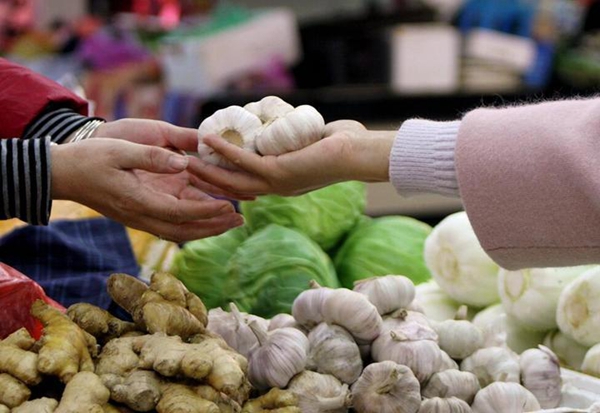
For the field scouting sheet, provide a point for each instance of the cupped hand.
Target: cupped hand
(144, 187)
(347, 152)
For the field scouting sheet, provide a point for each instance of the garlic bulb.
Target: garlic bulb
(269, 108)
(387, 293)
(458, 263)
(569, 352)
(439, 405)
(234, 124)
(540, 374)
(277, 357)
(578, 306)
(493, 364)
(334, 351)
(354, 312)
(320, 393)
(436, 304)
(307, 308)
(386, 387)
(401, 319)
(292, 131)
(591, 361)
(531, 295)
(458, 338)
(448, 362)
(232, 328)
(423, 357)
(284, 320)
(501, 397)
(452, 383)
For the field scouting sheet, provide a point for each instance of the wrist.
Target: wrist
(372, 155)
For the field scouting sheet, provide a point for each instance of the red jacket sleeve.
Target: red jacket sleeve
(24, 95)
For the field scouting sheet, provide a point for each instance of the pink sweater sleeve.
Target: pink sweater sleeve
(529, 178)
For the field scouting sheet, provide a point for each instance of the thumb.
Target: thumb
(151, 159)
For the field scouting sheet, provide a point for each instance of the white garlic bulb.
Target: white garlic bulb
(307, 308)
(540, 374)
(284, 320)
(452, 383)
(388, 293)
(292, 131)
(278, 356)
(334, 351)
(423, 357)
(232, 327)
(320, 393)
(448, 363)
(234, 124)
(458, 338)
(502, 397)
(269, 108)
(386, 387)
(591, 361)
(493, 364)
(354, 312)
(411, 323)
(440, 405)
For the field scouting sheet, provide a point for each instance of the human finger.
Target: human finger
(185, 139)
(149, 158)
(215, 190)
(243, 159)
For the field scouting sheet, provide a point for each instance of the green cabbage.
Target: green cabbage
(270, 269)
(324, 215)
(382, 246)
(201, 265)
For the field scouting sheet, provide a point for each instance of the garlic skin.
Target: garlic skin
(569, 352)
(386, 387)
(307, 308)
(493, 364)
(578, 307)
(234, 124)
(540, 374)
(284, 320)
(501, 397)
(294, 130)
(387, 293)
(233, 328)
(531, 295)
(458, 338)
(435, 303)
(320, 393)
(591, 361)
(404, 320)
(459, 264)
(449, 405)
(269, 108)
(278, 356)
(423, 357)
(452, 383)
(354, 312)
(334, 351)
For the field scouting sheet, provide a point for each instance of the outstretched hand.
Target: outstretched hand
(142, 186)
(347, 152)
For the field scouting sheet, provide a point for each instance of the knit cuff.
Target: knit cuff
(422, 158)
(25, 180)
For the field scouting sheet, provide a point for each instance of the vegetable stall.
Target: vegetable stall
(313, 306)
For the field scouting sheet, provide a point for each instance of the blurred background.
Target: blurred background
(376, 61)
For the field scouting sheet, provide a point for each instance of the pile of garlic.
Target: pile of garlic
(371, 350)
(270, 126)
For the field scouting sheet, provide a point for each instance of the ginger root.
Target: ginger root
(179, 398)
(165, 306)
(18, 362)
(275, 401)
(4, 409)
(226, 404)
(43, 405)
(12, 391)
(65, 348)
(98, 322)
(140, 390)
(85, 392)
(117, 357)
(20, 338)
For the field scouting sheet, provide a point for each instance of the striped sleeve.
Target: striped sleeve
(58, 124)
(25, 180)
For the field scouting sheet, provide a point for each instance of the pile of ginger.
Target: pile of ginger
(164, 361)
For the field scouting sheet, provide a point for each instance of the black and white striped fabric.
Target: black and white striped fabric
(25, 173)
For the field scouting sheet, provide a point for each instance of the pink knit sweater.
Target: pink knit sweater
(528, 176)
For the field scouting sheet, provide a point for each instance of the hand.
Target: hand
(141, 186)
(164, 135)
(347, 152)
